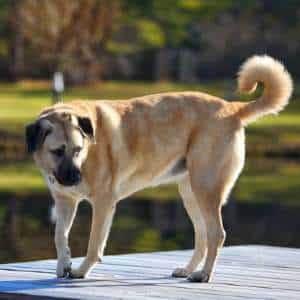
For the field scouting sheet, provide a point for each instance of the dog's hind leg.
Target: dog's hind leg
(194, 213)
(215, 236)
(212, 178)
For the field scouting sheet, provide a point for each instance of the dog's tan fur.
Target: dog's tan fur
(194, 139)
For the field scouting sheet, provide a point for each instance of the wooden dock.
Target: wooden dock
(243, 272)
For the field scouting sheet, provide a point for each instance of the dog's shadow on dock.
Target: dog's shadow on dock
(11, 286)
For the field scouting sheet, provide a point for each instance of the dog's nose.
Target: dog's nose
(68, 176)
(75, 176)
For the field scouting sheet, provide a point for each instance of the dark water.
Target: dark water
(273, 218)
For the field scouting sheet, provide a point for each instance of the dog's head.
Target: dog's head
(59, 142)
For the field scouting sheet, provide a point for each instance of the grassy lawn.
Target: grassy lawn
(21, 178)
(21, 102)
(262, 180)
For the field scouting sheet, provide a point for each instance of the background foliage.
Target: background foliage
(91, 39)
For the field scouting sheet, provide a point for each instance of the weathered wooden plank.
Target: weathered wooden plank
(137, 268)
(124, 290)
(252, 272)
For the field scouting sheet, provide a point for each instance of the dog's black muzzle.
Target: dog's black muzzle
(67, 174)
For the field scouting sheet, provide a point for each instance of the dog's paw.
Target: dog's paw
(181, 272)
(199, 276)
(76, 273)
(63, 267)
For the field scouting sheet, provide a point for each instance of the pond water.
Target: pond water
(264, 208)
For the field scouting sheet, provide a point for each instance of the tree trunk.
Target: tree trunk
(17, 69)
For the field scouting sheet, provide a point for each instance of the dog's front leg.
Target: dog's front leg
(65, 210)
(103, 212)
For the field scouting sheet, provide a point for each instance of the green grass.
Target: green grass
(268, 180)
(21, 102)
(21, 178)
(25, 178)
(262, 180)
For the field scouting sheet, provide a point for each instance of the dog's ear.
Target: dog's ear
(86, 126)
(35, 135)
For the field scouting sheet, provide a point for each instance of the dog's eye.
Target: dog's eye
(59, 152)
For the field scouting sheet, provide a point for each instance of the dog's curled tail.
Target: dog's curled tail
(277, 83)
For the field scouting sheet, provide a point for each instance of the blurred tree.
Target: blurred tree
(5, 36)
(70, 36)
(168, 23)
(87, 39)
(17, 42)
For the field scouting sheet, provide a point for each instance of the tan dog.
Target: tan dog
(103, 151)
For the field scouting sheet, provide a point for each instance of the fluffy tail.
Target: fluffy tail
(277, 83)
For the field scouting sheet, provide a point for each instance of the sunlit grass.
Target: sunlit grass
(21, 102)
(262, 180)
(21, 178)
(268, 180)
(25, 178)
